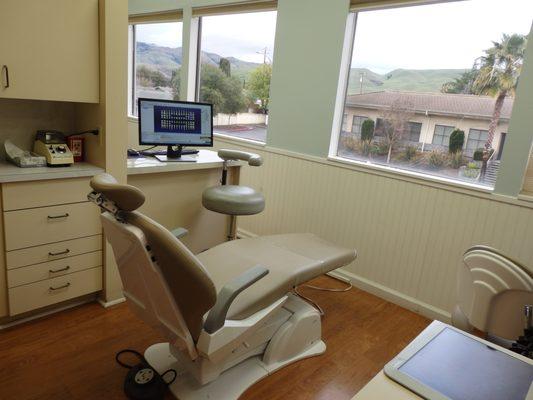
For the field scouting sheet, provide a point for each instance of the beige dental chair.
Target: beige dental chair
(234, 200)
(228, 313)
(492, 290)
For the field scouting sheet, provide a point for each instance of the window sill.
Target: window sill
(133, 119)
(410, 175)
(239, 140)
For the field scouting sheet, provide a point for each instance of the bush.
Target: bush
(367, 130)
(409, 153)
(351, 143)
(456, 159)
(436, 159)
(478, 155)
(457, 140)
(382, 149)
(471, 171)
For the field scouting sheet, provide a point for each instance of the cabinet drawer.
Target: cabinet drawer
(40, 294)
(20, 195)
(53, 269)
(53, 251)
(36, 226)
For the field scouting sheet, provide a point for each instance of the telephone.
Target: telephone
(53, 146)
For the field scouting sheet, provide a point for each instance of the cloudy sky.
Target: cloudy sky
(448, 35)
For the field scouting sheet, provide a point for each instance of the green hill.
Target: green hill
(167, 59)
(412, 80)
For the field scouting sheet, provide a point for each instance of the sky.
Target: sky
(239, 35)
(447, 35)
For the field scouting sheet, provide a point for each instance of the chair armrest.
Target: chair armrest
(255, 160)
(217, 316)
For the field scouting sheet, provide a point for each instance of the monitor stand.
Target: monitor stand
(175, 155)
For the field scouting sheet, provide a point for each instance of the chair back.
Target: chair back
(492, 291)
(164, 283)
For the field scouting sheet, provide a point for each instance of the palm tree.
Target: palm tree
(497, 75)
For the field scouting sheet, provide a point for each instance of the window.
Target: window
(154, 62)
(235, 71)
(441, 135)
(411, 83)
(345, 122)
(476, 140)
(357, 123)
(415, 128)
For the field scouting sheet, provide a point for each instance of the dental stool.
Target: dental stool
(492, 291)
(228, 314)
(234, 200)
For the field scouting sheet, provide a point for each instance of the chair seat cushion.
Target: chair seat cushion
(233, 200)
(292, 259)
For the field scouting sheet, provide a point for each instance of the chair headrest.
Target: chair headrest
(125, 197)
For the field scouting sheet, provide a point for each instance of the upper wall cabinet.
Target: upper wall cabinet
(49, 50)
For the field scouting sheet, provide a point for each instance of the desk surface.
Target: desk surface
(206, 159)
(12, 173)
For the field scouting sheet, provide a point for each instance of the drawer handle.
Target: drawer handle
(5, 71)
(54, 271)
(66, 251)
(66, 285)
(58, 216)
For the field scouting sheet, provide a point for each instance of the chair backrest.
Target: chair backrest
(164, 282)
(493, 290)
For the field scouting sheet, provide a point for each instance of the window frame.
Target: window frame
(469, 138)
(443, 135)
(509, 181)
(198, 15)
(360, 125)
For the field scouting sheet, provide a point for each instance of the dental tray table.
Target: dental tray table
(446, 363)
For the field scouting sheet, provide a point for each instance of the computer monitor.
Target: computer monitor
(175, 123)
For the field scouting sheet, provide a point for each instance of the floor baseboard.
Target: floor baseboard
(107, 304)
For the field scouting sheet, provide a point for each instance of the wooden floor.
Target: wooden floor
(70, 355)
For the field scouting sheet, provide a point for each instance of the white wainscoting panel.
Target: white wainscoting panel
(410, 236)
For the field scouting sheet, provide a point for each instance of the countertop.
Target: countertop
(12, 173)
(205, 159)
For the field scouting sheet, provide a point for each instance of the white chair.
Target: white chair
(225, 330)
(492, 291)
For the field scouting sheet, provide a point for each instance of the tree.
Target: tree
(259, 86)
(151, 77)
(367, 134)
(461, 85)
(395, 123)
(497, 76)
(225, 93)
(225, 66)
(175, 83)
(457, 140)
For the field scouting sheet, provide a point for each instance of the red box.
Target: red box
(75, 144)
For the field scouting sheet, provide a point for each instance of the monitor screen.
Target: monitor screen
(175, 123)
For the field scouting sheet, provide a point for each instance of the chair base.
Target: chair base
(231, 383)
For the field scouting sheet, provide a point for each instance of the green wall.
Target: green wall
(307, 56)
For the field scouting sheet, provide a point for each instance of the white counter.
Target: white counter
(206, 159)
(12, 173)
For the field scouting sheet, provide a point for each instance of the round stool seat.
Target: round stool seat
(233, 200)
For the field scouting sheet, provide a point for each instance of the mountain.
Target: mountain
(167, 59)
(412, 80)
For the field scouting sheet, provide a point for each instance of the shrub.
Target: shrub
(367, 130)
(471, 171)
(436, 159)
(382, 149)
(478, 155)
(409, 153)
(351, 143)
(456, 159)
(457, 139)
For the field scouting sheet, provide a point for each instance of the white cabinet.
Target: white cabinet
(49, 50)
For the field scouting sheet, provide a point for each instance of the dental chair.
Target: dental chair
(234, 200)
(228, 313)
(492, 291)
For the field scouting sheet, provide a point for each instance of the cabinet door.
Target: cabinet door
(50, 50)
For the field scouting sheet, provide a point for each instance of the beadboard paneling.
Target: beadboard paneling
(410, 237)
